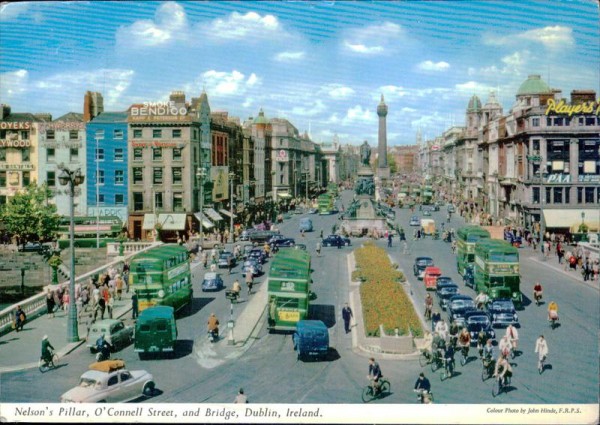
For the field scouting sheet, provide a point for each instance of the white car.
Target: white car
(110, 385)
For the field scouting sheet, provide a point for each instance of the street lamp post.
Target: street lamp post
(73, 179)
(538, 159)
(231, 177)
(97, 195)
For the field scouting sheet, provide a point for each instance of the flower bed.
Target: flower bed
(383, 298)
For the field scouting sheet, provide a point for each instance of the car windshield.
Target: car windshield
(450, 291)
(87, 382)
(479, 320)
(425, 262)
(504, 305)
(463, 304)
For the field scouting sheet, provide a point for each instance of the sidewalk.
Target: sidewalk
(552, 262)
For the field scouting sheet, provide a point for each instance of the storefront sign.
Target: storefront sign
(281, 155)
(7, 125)
(562, 108)
(63, 145)
(156, 144)
(20, 167)
(589, 178)
(147, 109)
(219, 176)
(559, 178)
(120, 212)
(61, 126)
(4, 143)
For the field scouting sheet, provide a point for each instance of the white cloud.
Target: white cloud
(433, 66)
(433, 122)
(169, 24)
(336, 91)
(551, 37)
(248, 26)
(374, 39)
(310, 110)
(10, 11)
(514, 65)
(390, 92)
(13, 84)
(289, 56)
(358, 114)
(219, 83)
(471, 87)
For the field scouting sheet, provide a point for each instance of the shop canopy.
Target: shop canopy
(284, 195)
(172, 221)
(206, 223)
(227, 213)
(572, 219)
(212, 214)
(149, 221)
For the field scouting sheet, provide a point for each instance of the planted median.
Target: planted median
(383, 299)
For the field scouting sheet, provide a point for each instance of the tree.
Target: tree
(391, 160)
(30, 216)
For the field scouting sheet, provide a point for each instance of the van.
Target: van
(155, 331)
(428, 226)
(305, 225)
(311, 339)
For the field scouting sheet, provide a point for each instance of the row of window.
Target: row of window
(23, 134)
(25, 154)
(564, 121)
(157, 154)
(117, 134)
(157, 175)
(157, 133)
(119, 199)
(562, 195)
(73, 135)
(25, 179)
(138, 201)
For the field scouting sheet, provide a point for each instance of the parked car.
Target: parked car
(445, 292)
(107, 384)
(458, 305)
(475, 320)
(252, 266)
(245, 235)
(442, 281)
(426, 213)
(421, 263)
(305, 225)
(451, 208)
(503, 312)
(259, 254)
(116, 333)
(430, 277)
(212, 282)
(275, 238)
(414, 221)
(225, 259)
(262, 236)
(335, 240)
(31, 247)
(285, 242)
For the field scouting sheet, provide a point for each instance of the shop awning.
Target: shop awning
(149, 221)
(572, 219)
(206, 223)
(212, 214)
(227, 213)
(172, 221)
(284, 195)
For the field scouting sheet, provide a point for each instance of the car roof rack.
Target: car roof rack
(108, 365)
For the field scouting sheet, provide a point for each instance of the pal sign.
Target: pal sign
(281, 155)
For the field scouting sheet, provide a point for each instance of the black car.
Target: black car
(335, 240)
(276, 238)
(259, 254)
(444, 293)
(503, 312)
(421, 263)
(283, 242)
(458, 305)
(476, 320)
(31, 247)
(443, 281)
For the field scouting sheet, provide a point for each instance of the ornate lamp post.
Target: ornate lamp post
(73, 179)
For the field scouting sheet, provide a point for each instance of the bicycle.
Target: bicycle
(52, 363)
(488, 366)
(541, 364)
(436, 361)
(425, 397)
(369, 393)
(500, 385)
(425, 358)
(464, 355)
(448, 369)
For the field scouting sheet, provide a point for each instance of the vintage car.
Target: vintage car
(475, 320)
(30, 247)
(445, 292)
(335, 240)
(225, 259)
(116, 333)
(503, 312)
(443, 280)
(110, 382)
(253, 266)
(426, 212)
(421, 263)
(430, 277)
(212, 282)
(283, 242)
(245, 236)
(258, 254)
(458, 305)
(414, 221)
(311, 339)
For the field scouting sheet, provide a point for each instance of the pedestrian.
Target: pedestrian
(85, 298)
(50, 304)
(229, 265)
(119, 286)
(321, 234)
(435, 317)
(134, 305)
(101, 308)
(249, 282)
(318, 249)
(110, 304)
(339, 243)
(347, 316)
(595, 269)
(241, 397)
(19, 318)
(389, 240)
(66, 298)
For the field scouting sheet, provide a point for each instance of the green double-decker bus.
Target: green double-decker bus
(325, 202)
(161, 276)
(466, 237)
(288, 289)
(497, 270)
(332, 189)
(427, 194)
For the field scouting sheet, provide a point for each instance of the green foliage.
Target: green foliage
(54, 261)
(583, 228)
(30, 216)
(391, 160)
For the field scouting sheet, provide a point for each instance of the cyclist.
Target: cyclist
(464, 341)
(237, 288)
(454, 330)
(481, 300)
(47, 349)
(504, 346)
(537, 291)
(481, 341)
(503, 370)
(513, 336)
(213, 326)
(374, 375)
(541, 348)
(103, 347)
(439, 345)
(449, 358)
(552, 311)
(435, 318)
(487, 352)
(428, 306)
(441, 327)
(422, 386)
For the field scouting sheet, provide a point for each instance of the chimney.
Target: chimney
(177, 97)
(582, 96)
(44, 117)
(93, 105)
(4, 111)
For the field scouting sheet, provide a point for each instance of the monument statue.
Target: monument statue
(365, 153)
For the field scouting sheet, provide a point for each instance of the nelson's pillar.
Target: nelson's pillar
(383, 171)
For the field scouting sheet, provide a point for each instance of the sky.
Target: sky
(321, 65)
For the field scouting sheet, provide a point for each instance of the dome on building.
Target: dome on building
(534, 85)
(474, 104)
(261, 119)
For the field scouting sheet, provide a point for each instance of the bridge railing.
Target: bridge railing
(112, 248)
(36, 305)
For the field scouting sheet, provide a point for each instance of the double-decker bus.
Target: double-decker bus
(161, 276)
(427, 194)
(467, 236)
(332, 189)
(88, 228)
(497, 269)
(325, 202)
(288, 289)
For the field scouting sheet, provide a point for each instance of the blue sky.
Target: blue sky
(318, 64)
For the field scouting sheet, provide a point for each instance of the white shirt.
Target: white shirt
(541, 347)
(515, 334)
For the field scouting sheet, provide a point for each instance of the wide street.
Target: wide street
(270, 373)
